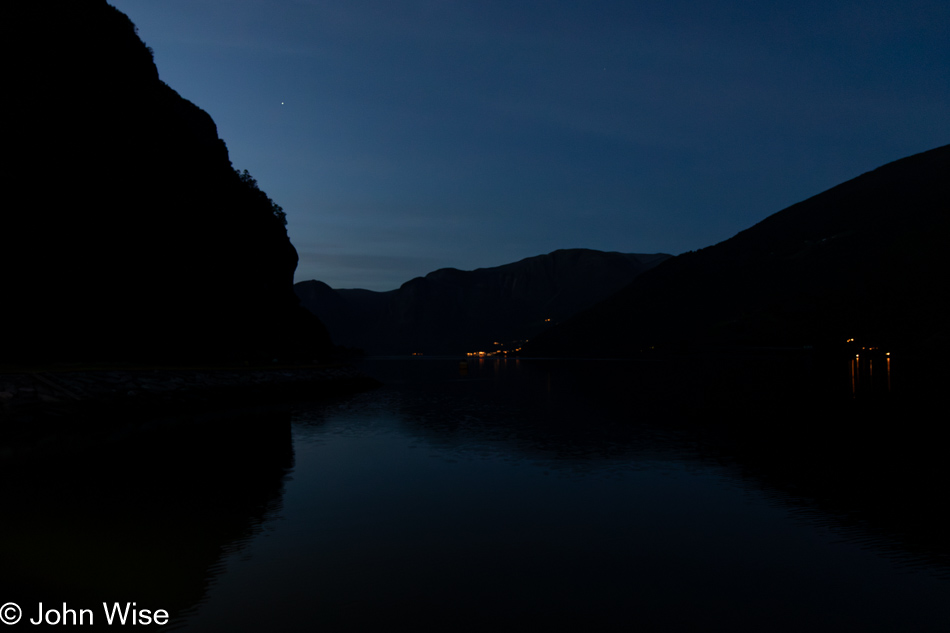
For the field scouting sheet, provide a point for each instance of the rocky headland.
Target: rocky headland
(127, 234)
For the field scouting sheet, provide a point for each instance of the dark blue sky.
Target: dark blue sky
(402, 137)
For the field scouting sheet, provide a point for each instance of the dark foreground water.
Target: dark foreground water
(564, 496)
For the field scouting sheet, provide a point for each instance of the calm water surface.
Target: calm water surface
(569, 497)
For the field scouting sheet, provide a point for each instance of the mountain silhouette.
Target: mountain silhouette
(453, 311)
(127, 233)
(862, 260)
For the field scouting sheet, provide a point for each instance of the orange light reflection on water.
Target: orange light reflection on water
(862, 375)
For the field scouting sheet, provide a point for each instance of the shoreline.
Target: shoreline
(52, 411)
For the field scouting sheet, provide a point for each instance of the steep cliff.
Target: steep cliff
(127, 233)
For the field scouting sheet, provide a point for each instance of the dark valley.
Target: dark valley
(451, 311)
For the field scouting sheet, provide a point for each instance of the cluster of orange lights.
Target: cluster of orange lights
(867, 349)
(499, 350)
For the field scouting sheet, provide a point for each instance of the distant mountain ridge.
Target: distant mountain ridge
(865, 259)
(454, 311)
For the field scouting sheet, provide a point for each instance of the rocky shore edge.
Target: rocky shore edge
(51, 412)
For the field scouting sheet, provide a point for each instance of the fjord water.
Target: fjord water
(572, 496)
(564, 495)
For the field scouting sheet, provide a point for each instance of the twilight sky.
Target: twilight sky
(405, 136)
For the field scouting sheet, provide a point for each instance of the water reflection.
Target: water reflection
(863, 381)
(562, 495)
(581, 497)
(776, 423)
(147, 520)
